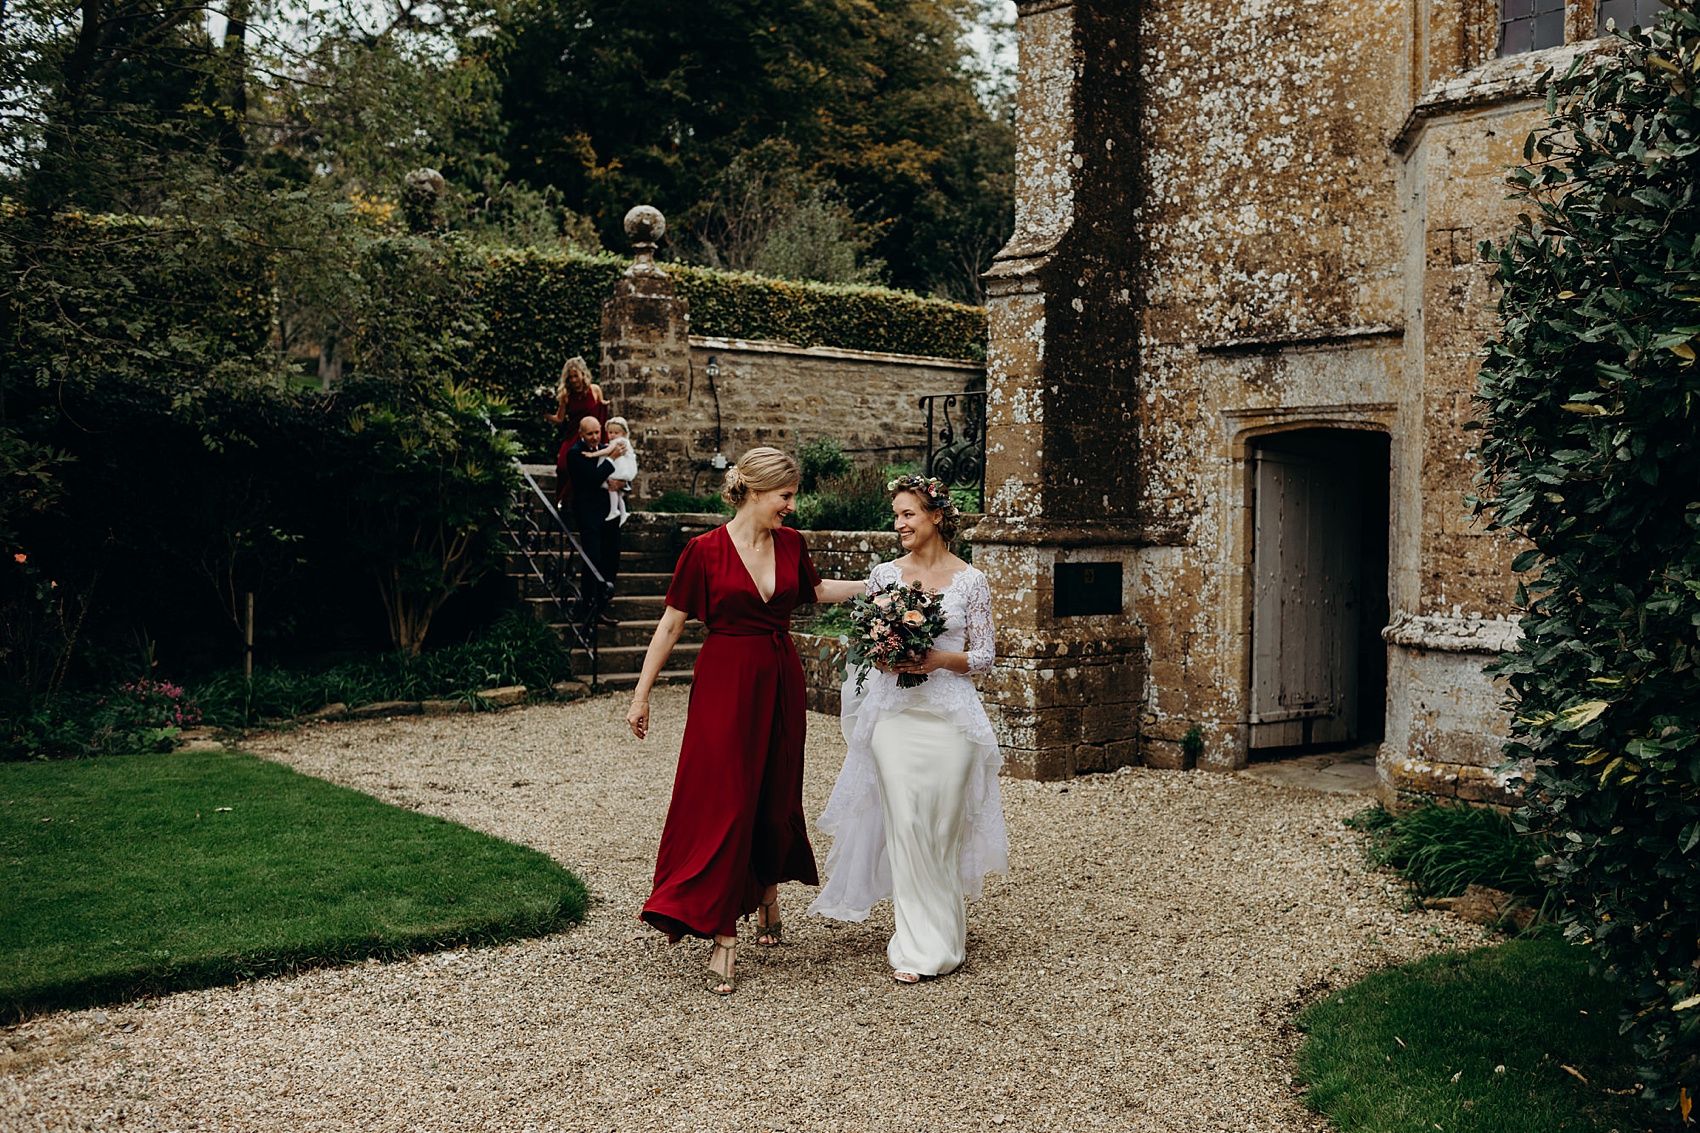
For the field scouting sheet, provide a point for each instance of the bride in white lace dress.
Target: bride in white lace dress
(916, 815)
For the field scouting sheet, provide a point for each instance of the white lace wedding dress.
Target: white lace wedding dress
(916, 815)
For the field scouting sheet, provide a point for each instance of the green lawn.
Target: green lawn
(133, 875)
(1475, 1042)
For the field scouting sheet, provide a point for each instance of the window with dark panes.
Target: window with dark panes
(1628, 14)
(1529, 25)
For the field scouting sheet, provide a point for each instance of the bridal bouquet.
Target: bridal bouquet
(894, 623)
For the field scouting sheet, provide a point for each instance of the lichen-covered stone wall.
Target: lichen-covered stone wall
(1239, 219)
(1063, 442)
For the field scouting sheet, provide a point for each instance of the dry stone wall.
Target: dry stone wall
(762, 393)
(783, 395)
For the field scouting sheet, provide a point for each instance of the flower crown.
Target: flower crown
(936, 492)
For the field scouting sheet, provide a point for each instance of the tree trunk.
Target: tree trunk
(234, 136)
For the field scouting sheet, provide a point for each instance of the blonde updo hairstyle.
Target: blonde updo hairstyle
(761, 470)
(934, 497)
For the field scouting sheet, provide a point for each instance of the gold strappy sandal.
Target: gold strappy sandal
(768, 935)
(719, 984)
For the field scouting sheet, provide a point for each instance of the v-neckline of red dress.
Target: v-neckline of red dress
(745, 567)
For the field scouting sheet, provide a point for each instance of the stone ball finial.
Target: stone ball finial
(425, 180)
(421, 191)
(645, 225)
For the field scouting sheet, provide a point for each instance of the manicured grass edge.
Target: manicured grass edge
(142, 982)
(1520, 1010)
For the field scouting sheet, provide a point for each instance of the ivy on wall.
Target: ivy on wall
(1591, 451)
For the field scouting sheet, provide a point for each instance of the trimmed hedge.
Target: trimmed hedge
(852, 316)
(538, 308)
(503, 319)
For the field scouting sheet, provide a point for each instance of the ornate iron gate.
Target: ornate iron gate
(956, 438)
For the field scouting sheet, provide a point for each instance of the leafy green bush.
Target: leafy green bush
(434, 476)
(821, 458)
(188, 472)
(968, 501)
(833, 620)
(1443, 849)
(148, 715)
(140, 715)
(1591, 452)
(854, 501)
(518, 650)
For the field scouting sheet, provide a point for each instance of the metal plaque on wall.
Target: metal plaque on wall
(1081, 589)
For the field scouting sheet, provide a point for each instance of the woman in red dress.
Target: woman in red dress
(576, 397)
(735, 828)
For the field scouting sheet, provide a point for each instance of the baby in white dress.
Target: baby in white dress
(619, 450)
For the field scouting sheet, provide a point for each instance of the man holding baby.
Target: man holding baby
(597, 475)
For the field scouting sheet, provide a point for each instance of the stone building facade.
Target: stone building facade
(1233, 348)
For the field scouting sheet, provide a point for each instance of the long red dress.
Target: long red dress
(735, 825)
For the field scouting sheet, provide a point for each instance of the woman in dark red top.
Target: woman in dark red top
(576, 397)
(735, 828)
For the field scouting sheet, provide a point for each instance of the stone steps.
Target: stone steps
(627, 681)
(630, 631)
(650, 543)
(628, 659)
(643, 591)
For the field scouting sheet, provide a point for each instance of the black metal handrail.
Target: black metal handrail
(556, 558)
(956, 450)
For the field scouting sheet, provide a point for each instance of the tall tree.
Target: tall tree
(614, 102)
(111, 92)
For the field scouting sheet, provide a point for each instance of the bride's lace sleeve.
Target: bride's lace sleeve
(980, 631)
(877, 578)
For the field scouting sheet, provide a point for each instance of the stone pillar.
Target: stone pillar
(1062, 531)
(646, 363)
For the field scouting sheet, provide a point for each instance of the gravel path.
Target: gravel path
(1137, 971)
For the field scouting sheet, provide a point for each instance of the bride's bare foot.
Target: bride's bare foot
(769, 928)
(722, 965)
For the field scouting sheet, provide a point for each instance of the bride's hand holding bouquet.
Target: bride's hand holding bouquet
(894, 628)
